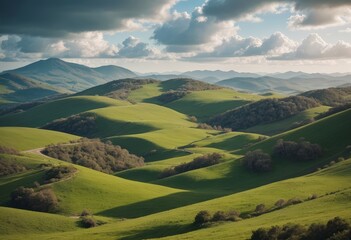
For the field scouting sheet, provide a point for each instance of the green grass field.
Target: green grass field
(30, 138)
(45, 113)
(137, 204)
(286, 124)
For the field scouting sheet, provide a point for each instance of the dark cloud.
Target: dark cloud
(59, 18)
(310, 13)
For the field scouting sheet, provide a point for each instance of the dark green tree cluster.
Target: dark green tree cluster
(330, 96)
(297, 151)
(96, 155)
(171, 96)
(42, 200)
(263, 111)
(188, 85)
(80, 124)
(335, 229)
(199, 162)
(257, 161)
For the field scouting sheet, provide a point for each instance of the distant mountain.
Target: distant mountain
(71, 76)
(17, 88)
(286, 86)
(162, 77)
(214, 76)
(115, 72)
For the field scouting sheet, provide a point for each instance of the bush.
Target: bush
(8, 167)
(88, 222)
(171, 96)
(202, 217)
(57, 173)
(8, 150)
(280, 203)
(199, 162)
(335, 229)
(219, 216)
(96, 155)
(81, 124)
(301, 151)
(263, 111)
(261, 208)
(85, 213)
(257, 161)
(43, 200)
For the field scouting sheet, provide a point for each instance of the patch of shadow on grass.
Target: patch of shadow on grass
(156, 205)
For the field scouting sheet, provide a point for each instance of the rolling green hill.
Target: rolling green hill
(16, 88)
(45, 113)
(30, 138)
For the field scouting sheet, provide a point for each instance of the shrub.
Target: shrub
(301, 151)
(335, 229)
(60, 172)
(43, 200)
(88, 222)
(8, 167)
(294, 201)
(219, 216)
(280, 203)
(263, 111)
(261, 208)
(8, 150)
(199, 162)
(202, 217)
(171, 96)
(96, 155)
(257, 161)
(81, 124)
(85, 213)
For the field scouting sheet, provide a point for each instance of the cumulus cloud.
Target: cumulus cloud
(185, 32)
(133, 48)
(61, 18)
(84, 45)
(314, 47)
(237, 46)
(308, 14)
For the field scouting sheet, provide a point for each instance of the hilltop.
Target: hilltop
(71, 76)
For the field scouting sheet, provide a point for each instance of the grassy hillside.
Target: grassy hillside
(288, 123)
(17, 221)
(45, 113)
(17, 88)
(31, 138)
(178, 221)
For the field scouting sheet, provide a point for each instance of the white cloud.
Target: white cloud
(314, 48)
(346, 30)
(238, 46)
(184, 32)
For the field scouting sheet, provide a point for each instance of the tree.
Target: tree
(260, 208)
(202, 217)
(257, 161)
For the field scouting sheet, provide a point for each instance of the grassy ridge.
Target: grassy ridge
(30, 138)
(286, 124)
(178, 221)
(45, 113)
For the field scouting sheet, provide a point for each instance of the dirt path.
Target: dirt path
(36, 151)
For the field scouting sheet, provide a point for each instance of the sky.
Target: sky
(180, 35)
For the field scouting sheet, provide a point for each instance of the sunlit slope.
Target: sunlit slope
(45, 113)
(29, 138)
(17, 221)
(335, 179)
(233, 177)
(100, 193)
(287, 124)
